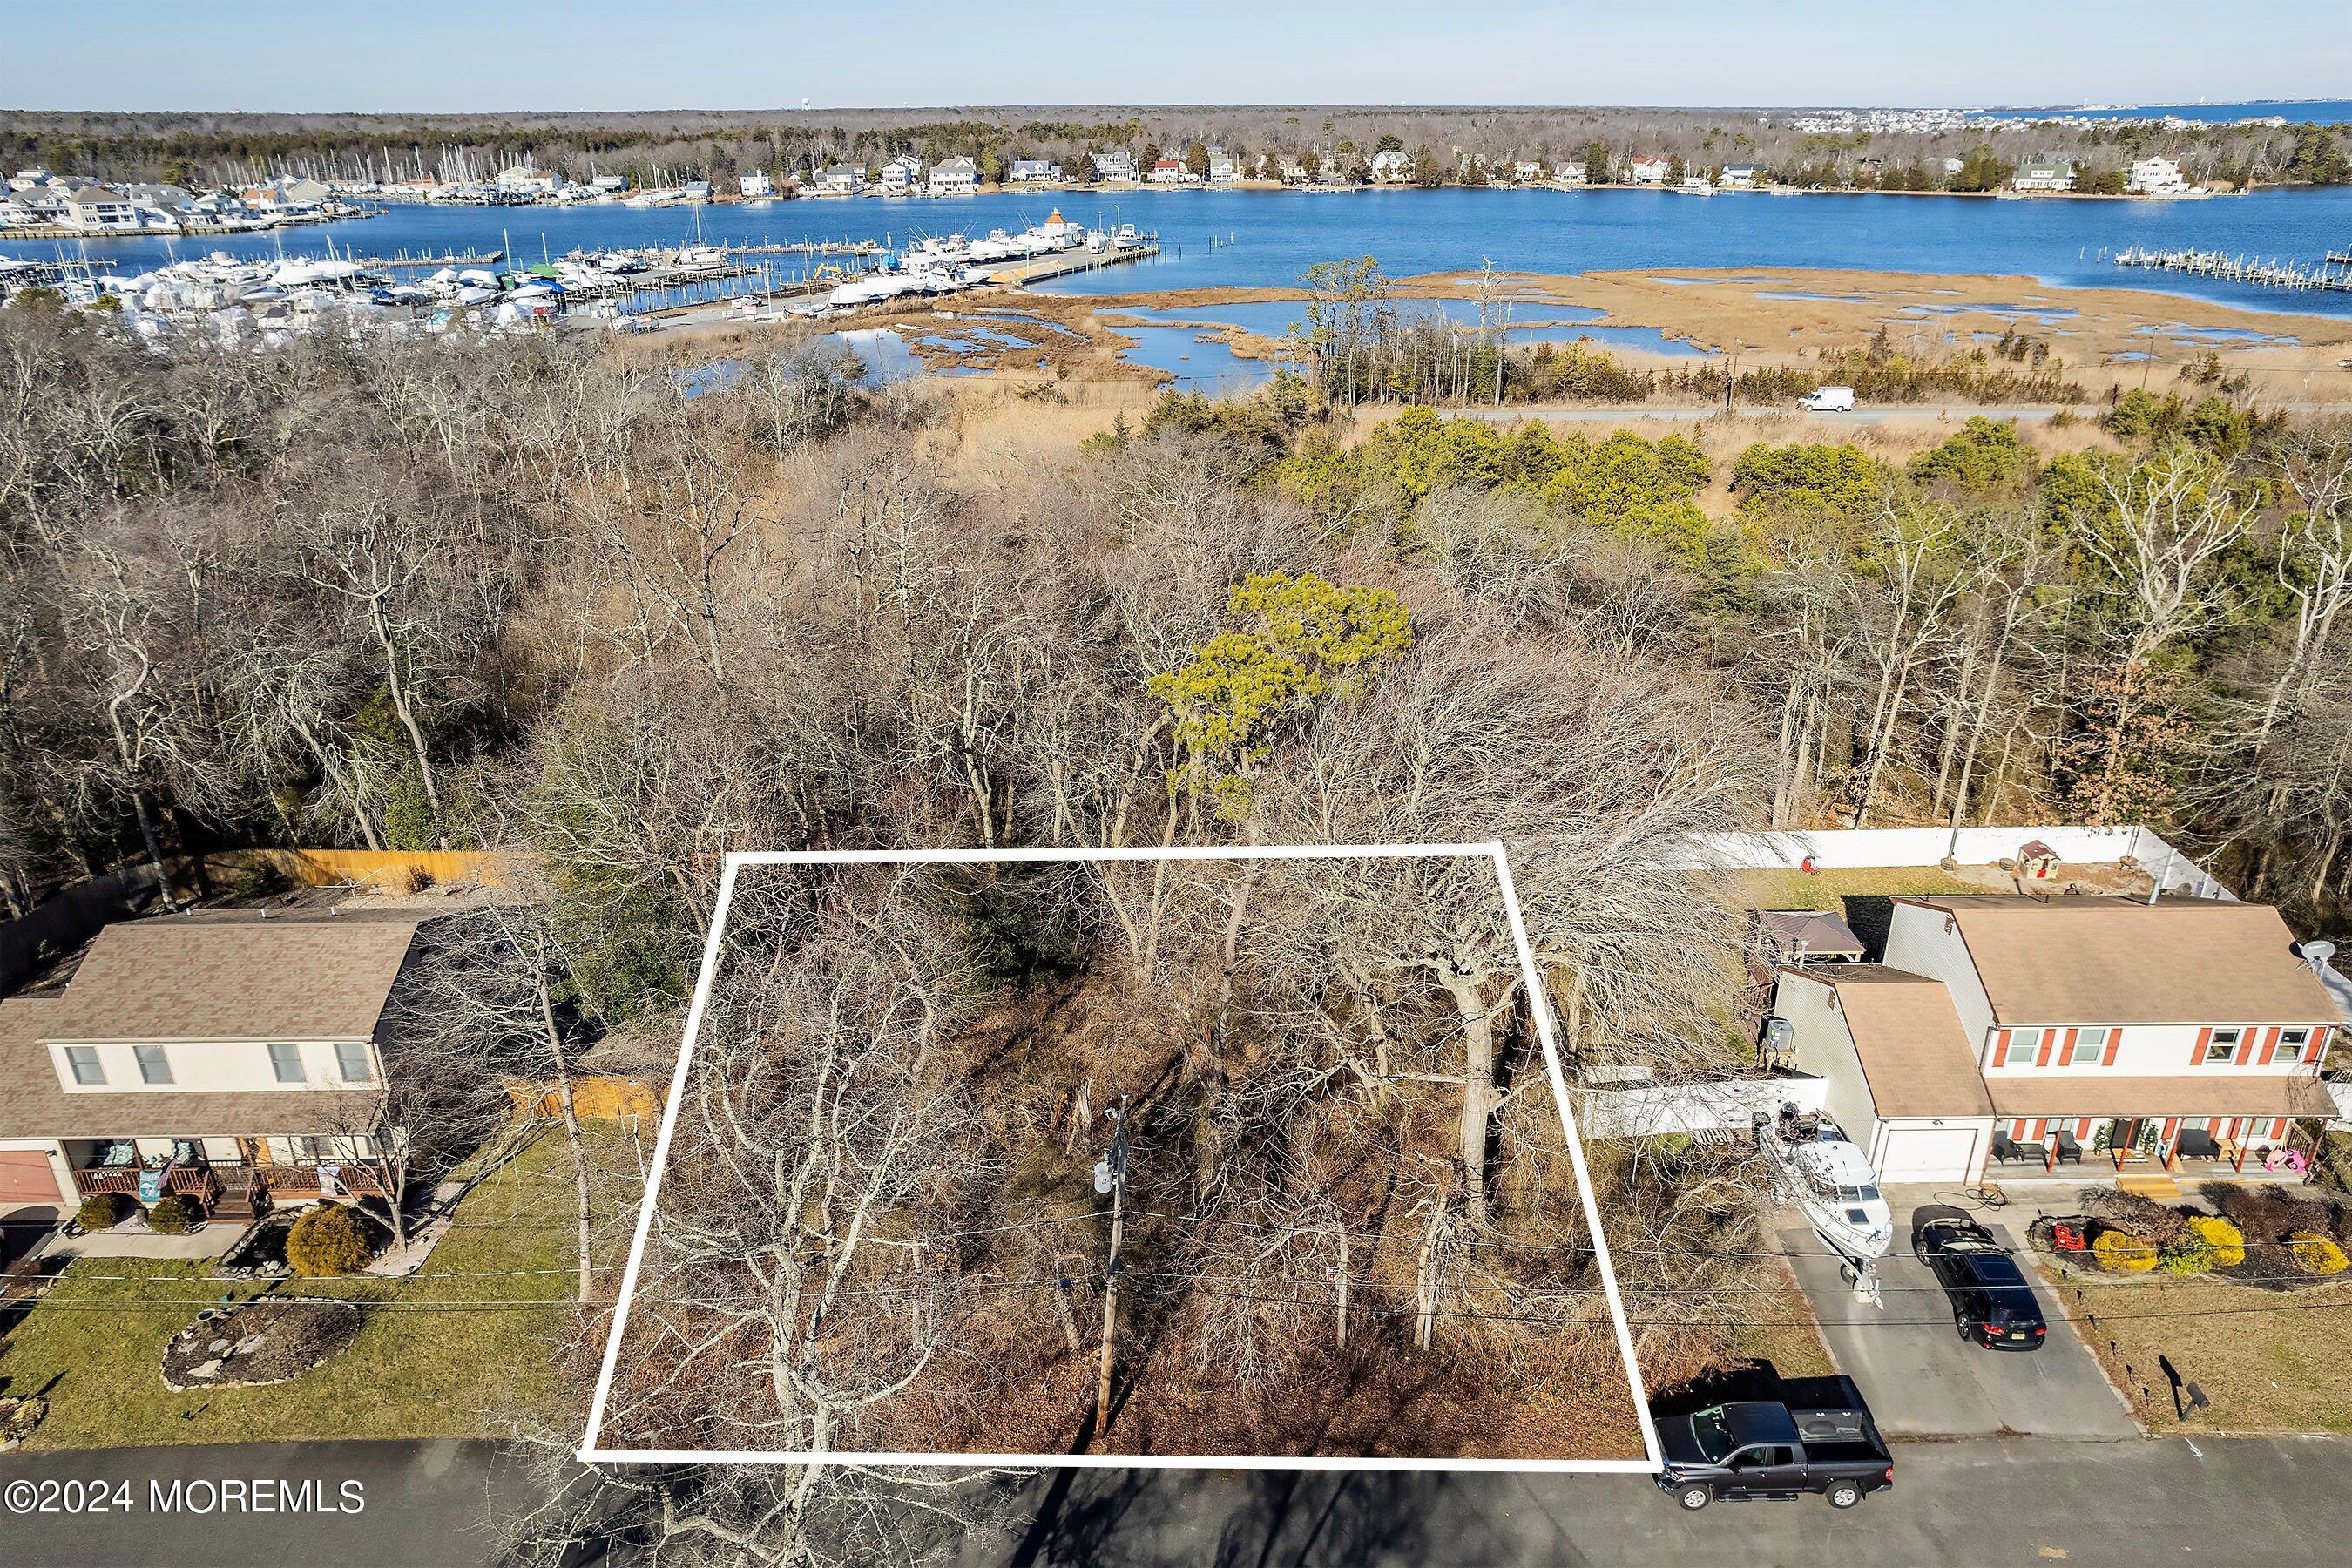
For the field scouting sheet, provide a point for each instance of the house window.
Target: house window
(2222, 1047)
(352, 1062)
(2090, 1044)
(84, 1061)
(286, 1062)
(2024, 1045)
(154, 1067)
(2291, 1043)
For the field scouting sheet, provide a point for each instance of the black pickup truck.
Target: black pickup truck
(1765, 1448)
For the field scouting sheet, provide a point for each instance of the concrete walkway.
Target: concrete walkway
(1923, 1380)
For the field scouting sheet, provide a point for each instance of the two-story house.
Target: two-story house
(234, 1058)
(903, 174)
(2182, 1029)
(1647, 170)
(954, 177)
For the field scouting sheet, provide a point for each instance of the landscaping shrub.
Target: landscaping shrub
(173, 1215)
(2123, 1252)
(2226, 1241)
(2160, 1225)
(327, 1239)
(2258, 1213)
(2191, 1255)
(103, 1211)
(2316, 1253)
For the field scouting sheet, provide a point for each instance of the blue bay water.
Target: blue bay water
(1268, 238)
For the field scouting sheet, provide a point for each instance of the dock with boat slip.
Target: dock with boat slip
(1037, 268)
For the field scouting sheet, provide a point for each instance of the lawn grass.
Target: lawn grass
(2270, 1361)
(446, 1353)
(1780, 1326)
(1827, 890)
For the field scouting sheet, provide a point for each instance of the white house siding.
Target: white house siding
(1825, 1049)
(208, 1065)
(1917, 941)
(2144, 1050)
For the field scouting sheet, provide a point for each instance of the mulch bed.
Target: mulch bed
(259, 1343)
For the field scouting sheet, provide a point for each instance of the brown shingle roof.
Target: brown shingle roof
(2097, 960)
(237, 977)
(2186, 1094)
(1823, 932)
(34, 1105)
(1915, 1056)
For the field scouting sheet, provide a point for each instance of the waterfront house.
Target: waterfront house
(610, 184)
(839, 180)
(1525, 172)
(1739, 176)
(1116, 165)
(95, 209)
(1568, 174)
(2185, 1033)
(2156, 177)
(525, 180)
(1032, 171)
(233, 1058)
(1391, 167)
(1953, 166)
(1222, 169)
(903, 175)
(1293, 172)
(2045, 174)
(1646, 171)
(755, 184)
(954, 177)
(1171, 172)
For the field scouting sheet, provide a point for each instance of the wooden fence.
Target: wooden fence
(393, 870)
(600, 1097)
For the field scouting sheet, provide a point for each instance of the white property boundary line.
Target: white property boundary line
(1539, 1004)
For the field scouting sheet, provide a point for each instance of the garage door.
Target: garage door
(26, 1177)
(1927, 1153)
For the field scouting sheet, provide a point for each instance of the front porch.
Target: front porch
(229, 1177)
(2193, 1148)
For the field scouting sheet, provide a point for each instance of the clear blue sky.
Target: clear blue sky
(479, 55)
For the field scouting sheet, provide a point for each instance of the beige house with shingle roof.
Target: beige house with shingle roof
(2021, 1025)
(234, 1057)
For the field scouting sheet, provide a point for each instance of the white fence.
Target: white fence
(1652, 1111)
(1849, 848)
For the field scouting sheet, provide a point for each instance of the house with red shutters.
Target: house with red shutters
(2037, 1031)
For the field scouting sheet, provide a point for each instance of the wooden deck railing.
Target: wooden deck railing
(208, 1184)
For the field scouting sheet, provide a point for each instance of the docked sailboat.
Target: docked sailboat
(1818, 1168)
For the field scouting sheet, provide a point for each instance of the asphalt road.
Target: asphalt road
(2282, 1502)
(425, 1504)
(1924, 1381)
(2030, 414)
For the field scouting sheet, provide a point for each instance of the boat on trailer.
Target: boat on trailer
(1819, 1169)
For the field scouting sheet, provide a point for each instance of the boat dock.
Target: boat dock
(2332, 276)
(1062, 263)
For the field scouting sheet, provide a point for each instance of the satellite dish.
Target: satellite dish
(2316, 954)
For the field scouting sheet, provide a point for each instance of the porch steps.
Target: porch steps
(2163, 1189)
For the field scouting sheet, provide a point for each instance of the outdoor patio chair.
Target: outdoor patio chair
(2069, 1150)
(2197, 1143)
(2010, 1151)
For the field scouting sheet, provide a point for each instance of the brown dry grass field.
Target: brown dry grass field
(2269, 1361)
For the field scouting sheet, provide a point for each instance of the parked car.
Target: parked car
(1829, 400)
(1992, 1302)
(1759, 1449)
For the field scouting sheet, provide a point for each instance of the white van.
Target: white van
(1829, 400)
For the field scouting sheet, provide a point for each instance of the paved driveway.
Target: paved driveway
(1923, 1380)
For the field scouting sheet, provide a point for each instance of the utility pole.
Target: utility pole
(1110, 1175)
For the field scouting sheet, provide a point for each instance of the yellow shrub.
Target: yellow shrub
(2228, 1242)
(2123, 1252)
(2316, 1253)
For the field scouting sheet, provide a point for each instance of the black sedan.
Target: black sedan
(1992, 1302)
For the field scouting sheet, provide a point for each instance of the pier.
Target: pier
(2333, 276)
(1062, 263)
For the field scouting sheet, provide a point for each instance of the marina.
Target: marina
(2332, 276)
(1267, 239)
